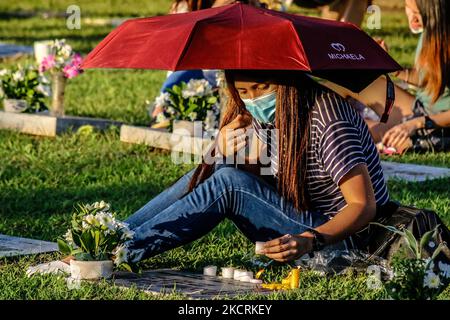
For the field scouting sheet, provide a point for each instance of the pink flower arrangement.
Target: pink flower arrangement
(62, 59)
(47, 63)
(73, 68)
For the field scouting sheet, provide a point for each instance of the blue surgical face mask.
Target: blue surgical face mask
(263, 107)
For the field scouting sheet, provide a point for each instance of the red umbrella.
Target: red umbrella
(240, 36)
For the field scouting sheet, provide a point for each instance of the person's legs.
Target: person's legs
(346, 10)
(160, 202)
(251, 203)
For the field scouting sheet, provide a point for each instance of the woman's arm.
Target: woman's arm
(398, 137)
(356, 187)
(357, 190)
(409, 75)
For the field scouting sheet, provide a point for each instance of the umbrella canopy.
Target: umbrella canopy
(240, 36)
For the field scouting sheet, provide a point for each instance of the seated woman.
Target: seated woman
(420, 121)
(326, 181)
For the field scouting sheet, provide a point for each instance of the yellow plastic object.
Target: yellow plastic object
(259, 273)
(292, 281)
(295, 278)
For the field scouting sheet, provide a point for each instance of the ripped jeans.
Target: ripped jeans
(174, 218)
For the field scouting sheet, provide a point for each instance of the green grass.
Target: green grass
(89, 8)
(41, 179)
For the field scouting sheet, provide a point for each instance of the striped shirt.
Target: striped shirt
(339, 141)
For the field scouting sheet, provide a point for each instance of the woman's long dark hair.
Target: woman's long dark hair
(434, 57)
(292, 119)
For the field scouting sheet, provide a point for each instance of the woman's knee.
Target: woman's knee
(230, 175)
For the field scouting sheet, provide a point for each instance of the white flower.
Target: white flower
(162, 99)
(3, 72)
(45, 90)
(43, 79)
(120, 255)
(186, 94)
(68, 237)
(66, 51)
(106, 219)
(60, 61)
(193, 116)
(198, 88)
(18, 75)
(127, 234)
(90, 220)
(431, 280)
(102, 205)
(431, 244)
(445, 269)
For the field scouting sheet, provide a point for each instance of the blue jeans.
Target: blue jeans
(174, 218)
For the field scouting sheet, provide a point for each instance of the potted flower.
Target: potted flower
(184, 107)
(23, 89)
(417, 275)
(96, 241)
(62, 64)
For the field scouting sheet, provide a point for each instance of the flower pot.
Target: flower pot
(91, 270)
(187, 128)
(58, 88)
(15, 105)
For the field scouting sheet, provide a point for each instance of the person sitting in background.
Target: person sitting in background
(341, 10)
(419, 122)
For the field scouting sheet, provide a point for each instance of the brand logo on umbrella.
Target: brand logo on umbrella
(338, 47)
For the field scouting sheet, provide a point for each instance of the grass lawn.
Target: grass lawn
(41, 179)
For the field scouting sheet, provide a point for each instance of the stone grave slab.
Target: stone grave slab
(11, 50)
(15, 246)
(43, 124)
(412, 172)
(195, 286)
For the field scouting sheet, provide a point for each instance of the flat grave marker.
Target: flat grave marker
(412, 172)
(16, 246)
(195, 286)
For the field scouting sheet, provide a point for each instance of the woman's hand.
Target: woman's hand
(288, 247)
(398, 137)
(233, 137)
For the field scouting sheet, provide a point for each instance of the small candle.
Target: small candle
(259, 246)
(228, 273)
(210, 271)
(295, 278)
